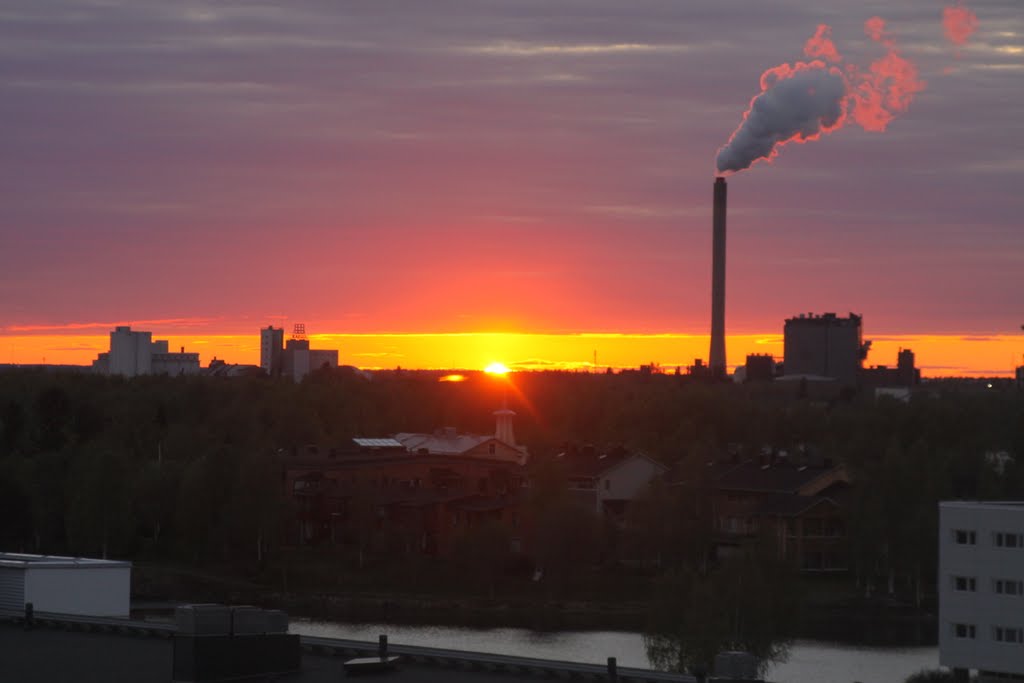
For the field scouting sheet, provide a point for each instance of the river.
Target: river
(809, 661)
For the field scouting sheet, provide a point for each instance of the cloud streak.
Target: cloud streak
(363, 162)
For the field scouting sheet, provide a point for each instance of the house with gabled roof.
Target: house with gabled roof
(498, 446)
(798, 500)
(608, 482)
(426, 489)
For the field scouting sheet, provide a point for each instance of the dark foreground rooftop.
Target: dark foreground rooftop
(52, 655)
(44, 655)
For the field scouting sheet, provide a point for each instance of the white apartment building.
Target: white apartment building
(271, 346)
(981, 588)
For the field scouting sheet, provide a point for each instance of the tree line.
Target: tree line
(186, 469)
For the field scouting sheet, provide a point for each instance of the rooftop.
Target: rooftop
(985, 504)
(23, 560)
(44, 655)
(444, 443)
(99, 654)
(781, 476)
(377, 443)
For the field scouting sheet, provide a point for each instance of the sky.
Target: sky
(526, 167)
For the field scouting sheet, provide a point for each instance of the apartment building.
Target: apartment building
(981, 589)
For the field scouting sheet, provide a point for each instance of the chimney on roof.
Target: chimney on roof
(503, 426)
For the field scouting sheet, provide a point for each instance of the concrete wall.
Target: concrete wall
(95, 591)
(130, 352)
(627, 479)
(975, 602)
(12, 588)
(175, 364)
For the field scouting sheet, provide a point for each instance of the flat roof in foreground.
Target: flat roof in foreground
(983, 504)
(25, 561)
(43, 655)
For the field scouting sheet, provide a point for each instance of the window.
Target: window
(965, 583)
(1004, 634)
(1008, 587)
(491, 448)
(963, 630)
(1003, 539)
(964, 537)
(607, 484)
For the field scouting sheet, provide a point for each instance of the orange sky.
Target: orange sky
(937, 355)
(480, 167)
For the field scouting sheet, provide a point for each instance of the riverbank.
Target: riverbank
(807, 661)
(822, 617)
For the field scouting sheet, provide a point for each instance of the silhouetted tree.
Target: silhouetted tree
(748, 603)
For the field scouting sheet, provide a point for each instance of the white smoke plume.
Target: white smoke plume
(803, 101)
(795, 104)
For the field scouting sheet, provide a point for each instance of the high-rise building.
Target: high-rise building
(824, 346)
(271, 346)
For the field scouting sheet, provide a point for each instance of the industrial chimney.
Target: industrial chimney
(717, 355)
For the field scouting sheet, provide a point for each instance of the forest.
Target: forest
(182, 471)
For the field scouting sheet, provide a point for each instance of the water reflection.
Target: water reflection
(809, 661)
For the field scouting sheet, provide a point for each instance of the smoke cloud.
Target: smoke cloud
(959, 23)
(887, 87)
(803, 101)
(797, 103)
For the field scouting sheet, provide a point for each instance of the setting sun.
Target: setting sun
(497, 369)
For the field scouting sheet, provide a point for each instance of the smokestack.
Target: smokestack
(717, 355)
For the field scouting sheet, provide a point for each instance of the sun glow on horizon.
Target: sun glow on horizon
(497, 369)
(938, 355)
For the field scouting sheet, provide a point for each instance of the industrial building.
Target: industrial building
(824, 346)
(905, 374)
(981, 586)
(133, 353)
(294, 358)
(760, 367)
